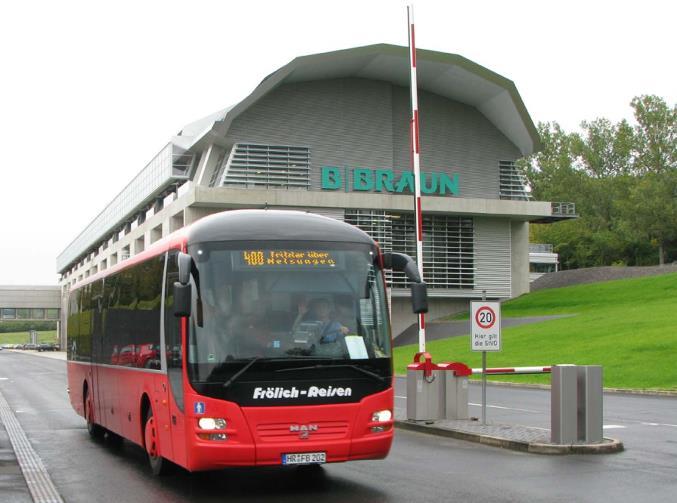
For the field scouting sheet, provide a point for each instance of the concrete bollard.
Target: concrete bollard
(425, 390)
(564, 404)
(590, 407)
(456, 390)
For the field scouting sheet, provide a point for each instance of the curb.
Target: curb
(610, 445)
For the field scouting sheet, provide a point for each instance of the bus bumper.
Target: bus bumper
(263, 436)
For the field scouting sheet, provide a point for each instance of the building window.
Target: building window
(52, 314)
(542, 268)
(448, 245)
(23, 314)
(267, 166)
(512, 184)
(38, 314)
(8, 313)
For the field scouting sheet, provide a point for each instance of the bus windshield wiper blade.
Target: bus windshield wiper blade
(241, 371)
(336, 366)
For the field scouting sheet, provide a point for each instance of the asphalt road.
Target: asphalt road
(420, 467)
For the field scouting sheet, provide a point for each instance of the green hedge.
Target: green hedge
(20, 326)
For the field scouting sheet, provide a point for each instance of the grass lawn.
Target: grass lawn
(23, 337)
(627, 326)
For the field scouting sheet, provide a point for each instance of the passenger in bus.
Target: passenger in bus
(345, 312)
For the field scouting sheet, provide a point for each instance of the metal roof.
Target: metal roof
(448, 75)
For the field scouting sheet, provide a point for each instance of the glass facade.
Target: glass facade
(170, 164)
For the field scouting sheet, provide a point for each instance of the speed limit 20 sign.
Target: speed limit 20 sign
(485, 326)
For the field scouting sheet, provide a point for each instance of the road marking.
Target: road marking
(660, 424)
(39, 483)
(491, 406)
(613, 427)
(505, 408)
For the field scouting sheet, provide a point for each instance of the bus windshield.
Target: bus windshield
(286, 301)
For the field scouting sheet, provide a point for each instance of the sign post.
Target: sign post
(485, 335)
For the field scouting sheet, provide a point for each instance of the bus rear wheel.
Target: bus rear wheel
(158, 464)
(95, 431)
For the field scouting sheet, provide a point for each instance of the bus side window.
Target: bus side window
(83, 350)
(73, 324)
(173, 332)
(146, 335)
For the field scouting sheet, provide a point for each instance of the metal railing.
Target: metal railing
(563, 209)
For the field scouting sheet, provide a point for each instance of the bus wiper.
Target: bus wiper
(241, 371)
(337, 366)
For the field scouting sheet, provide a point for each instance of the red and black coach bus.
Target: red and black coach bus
(251, 337)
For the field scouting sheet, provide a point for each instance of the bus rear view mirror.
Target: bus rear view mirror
(419, 297)
(419, 291)
(185, 265)
(182, 299)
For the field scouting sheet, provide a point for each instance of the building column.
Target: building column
(208, 163)
(519, 257)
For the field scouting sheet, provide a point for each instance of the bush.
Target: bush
(25, 326)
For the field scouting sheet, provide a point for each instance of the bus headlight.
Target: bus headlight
(210, 423)
(382, 416)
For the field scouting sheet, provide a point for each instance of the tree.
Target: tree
(652, 202)
(656, 134)
(623, 181)
(651, 210)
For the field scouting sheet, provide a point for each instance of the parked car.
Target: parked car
(30, 346)
(47, 347)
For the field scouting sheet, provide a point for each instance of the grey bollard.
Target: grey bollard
(564, 404)
(425, 400)
(456, 396)
(590, 408)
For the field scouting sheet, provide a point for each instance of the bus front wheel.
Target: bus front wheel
(158, 464)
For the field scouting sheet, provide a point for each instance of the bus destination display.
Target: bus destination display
(286, 258)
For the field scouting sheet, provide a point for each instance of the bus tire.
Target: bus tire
(158, 465)
(95, 431)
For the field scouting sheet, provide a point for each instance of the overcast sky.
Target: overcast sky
(91, 91)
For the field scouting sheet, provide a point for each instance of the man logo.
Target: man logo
(303, 429)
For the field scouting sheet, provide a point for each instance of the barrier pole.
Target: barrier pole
(416, 161)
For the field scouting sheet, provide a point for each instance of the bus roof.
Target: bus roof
(273, 225)
(246, 225)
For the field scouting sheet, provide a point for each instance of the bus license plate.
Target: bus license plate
(305, 458)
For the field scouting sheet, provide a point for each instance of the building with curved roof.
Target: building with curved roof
(329, 134)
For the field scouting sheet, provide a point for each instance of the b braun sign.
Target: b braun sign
(386, 180)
